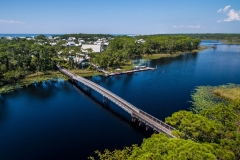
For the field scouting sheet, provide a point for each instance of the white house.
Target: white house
(95, 48)
(81, 41)
(71, 39)
(9, 38)
(71, 43)
(140, 41)
(50, 37)
(53, 44)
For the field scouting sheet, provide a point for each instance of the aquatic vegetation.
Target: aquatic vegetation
(206, 97)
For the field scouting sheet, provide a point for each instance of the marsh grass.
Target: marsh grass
(86, 72)
(45, 76)
(228, 93)
(206, 97)
(31, 79)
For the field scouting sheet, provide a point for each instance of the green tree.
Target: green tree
(194, 126)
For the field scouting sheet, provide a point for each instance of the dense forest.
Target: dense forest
(226, 37)
(21, 57)
(213, 36)
(123, 48)
(212, 132)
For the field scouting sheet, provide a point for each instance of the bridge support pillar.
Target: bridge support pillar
(106, 101)
(88, 89)
(133, 119)
(71, 80)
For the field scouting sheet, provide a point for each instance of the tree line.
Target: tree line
(124, 48)
(21, 57)
(227, 37)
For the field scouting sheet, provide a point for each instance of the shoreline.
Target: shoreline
(30, 80)
(159, 55)
(41, 77)
(55, 75)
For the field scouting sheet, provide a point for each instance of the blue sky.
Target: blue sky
(119, 16)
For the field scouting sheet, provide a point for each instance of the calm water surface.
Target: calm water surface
(56, 120)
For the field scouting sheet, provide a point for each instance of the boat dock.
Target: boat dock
(130, 71)
(106, 73)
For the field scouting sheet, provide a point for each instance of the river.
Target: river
(56, 120)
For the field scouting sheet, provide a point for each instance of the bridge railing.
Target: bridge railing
(157, 120)
(110, 93)
(90, 83)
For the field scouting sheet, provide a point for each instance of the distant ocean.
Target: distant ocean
(47, 35)
(132, 35)
(25, 35)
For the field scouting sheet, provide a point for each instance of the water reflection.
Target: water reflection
(111, 110)
(3, 108)
(46, 89)
(168, 60)
(56, 120)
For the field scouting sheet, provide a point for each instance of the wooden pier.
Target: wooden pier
(106, 73)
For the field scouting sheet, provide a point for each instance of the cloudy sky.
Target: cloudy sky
(119, 16)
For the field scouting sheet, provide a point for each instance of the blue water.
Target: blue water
(131, 35)
(56, 120)
(26, 35)
(47, 35)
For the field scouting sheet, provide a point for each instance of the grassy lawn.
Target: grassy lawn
(85, 73)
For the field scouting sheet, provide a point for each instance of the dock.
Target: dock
(106, 73)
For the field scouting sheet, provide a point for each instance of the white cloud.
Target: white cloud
(192, 26)
(232, 14)
(219, 11)
(189, 26)
(225, 9)
(11, 21)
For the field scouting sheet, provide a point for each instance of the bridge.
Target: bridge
(136, 114)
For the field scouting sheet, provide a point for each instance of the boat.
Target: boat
(129, 72)
(214, 46)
